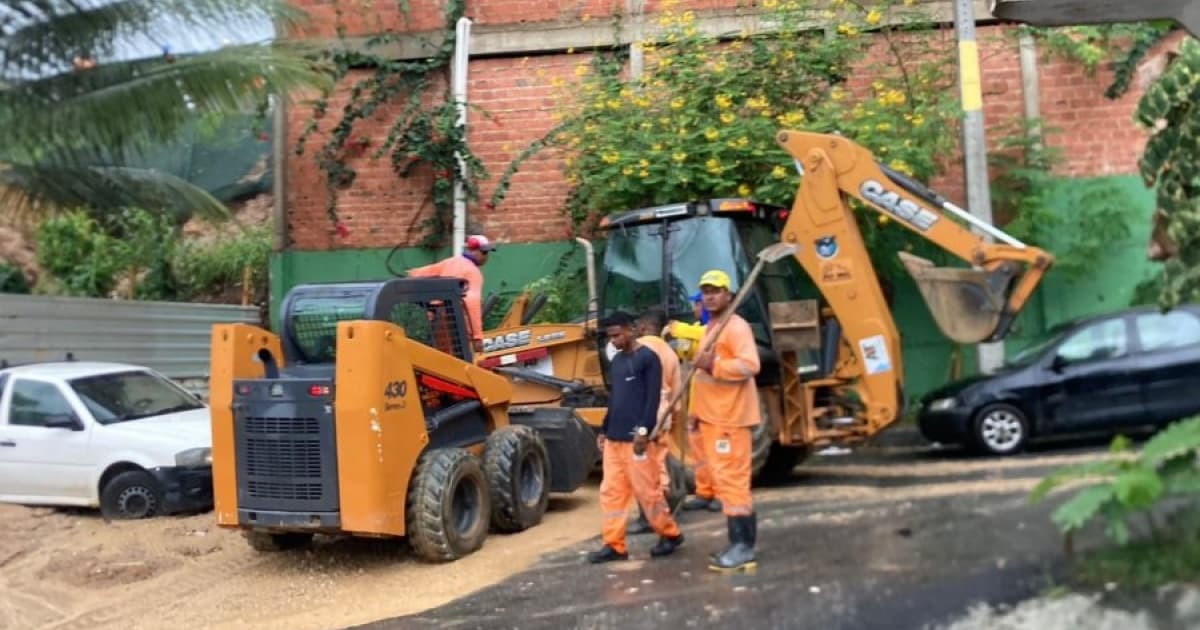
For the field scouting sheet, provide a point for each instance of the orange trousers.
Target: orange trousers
(700, 469)
(728, 453)
(628, 476)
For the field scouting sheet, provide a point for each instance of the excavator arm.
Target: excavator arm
(969, 305)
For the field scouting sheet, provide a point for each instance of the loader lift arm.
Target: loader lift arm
(968, 305)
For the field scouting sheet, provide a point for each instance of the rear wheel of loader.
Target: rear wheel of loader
(781, 461)
(518, 475)
(268, 542)
(448, 505)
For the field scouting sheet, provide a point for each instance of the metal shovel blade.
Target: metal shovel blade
(777, 251)
(964, 307)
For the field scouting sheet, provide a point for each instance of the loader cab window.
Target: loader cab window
(314, 323)
(633, 269)
(783, 280)
(704, 243)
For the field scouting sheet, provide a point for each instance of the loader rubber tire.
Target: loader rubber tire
(448, 505)
(518, 474)
(761, 440)
(781, 461)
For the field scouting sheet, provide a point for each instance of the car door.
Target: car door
(1092, 378)
(1169, 363)
(44, 454)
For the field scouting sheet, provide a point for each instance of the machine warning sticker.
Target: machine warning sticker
(836, 272)
(875, 354)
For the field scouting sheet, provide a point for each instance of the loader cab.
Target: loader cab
(655, 256)
(430, 310)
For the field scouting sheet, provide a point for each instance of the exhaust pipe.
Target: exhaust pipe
(593, 304)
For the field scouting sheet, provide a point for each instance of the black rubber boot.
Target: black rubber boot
(739, 556)
(666, 546)
(606, 554)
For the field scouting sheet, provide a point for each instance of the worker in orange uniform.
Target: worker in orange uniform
(630, 461)
(649, 327)
(465, 267)
(725, 406)
(686, 338)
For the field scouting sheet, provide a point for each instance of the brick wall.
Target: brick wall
(380, 210)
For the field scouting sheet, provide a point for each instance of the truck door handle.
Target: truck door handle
(7, 443)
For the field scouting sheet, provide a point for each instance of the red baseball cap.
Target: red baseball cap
(480, 242)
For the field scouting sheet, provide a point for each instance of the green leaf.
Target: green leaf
(1138, 488)
(1074, 472)
(1178, 438)
(1083, 506)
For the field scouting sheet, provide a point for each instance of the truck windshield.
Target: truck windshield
(133, 395)
(634, 271)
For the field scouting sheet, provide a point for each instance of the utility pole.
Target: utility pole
(979, 203)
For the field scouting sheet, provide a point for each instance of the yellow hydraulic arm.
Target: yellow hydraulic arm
(968, 305)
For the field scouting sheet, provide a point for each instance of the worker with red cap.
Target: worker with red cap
(465, 267)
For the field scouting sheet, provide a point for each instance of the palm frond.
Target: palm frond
(128, 107)
(39, 189)
(41, 35)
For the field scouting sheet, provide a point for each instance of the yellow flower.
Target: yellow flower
(714, 167)
(679, 156)
(779, 172)
(712, 134)
(918, 120)
(656, 147)
(874, 17)
(589, 127)
(847, 29)
(644, 173)
(837, 94)
(614, 103)
(902, 166)
(828, 15)
(884, 126)
(628, 170)
(770, 4)
(644, 163)
(728, 117)
(723, 102)
(744, 190)
(743, 142)
(676, 103)
(610, 157)
(883, 219)
(626, 93)
(581, 70)
(791, 119)
(757, 102)
(720, 67)
(688, 17)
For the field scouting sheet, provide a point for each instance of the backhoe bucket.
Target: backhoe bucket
(965, 306)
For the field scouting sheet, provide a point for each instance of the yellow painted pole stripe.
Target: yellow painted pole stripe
(968, 72)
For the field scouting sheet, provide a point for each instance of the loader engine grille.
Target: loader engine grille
(286, 451)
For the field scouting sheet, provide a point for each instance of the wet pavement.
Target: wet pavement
(894, 537)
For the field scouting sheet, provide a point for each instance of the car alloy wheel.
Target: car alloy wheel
(1001, 430)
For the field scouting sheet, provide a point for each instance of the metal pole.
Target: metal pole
(462, 56)
(637, 58)
(989, 355)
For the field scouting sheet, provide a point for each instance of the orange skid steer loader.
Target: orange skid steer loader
(366, 416)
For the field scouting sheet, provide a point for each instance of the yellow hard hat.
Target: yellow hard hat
(716, 278)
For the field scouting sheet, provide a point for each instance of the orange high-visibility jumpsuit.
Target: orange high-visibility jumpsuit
(726, 403)
(671, 380)
(465, 269)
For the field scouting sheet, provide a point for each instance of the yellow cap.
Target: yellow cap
(716, 278)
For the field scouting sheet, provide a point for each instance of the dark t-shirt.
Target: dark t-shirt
(636, 386)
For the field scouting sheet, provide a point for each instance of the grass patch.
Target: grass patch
(1142, 565)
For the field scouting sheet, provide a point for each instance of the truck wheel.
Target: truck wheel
(130, 495)
(267, 542)
(781, 461)
(761, 439)
(678, 490)
(518, 475)
(448, 505)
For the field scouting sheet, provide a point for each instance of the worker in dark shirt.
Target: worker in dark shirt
(630, 462)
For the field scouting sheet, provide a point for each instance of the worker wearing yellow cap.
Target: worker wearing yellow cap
(725, 408)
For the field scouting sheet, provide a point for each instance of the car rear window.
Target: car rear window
(3, 383)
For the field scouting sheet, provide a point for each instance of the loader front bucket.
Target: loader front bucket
(965, 303)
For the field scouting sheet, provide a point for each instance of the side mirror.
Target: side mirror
(1058, 363)
(63, 421)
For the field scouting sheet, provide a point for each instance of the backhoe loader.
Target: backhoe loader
(367, 416)
(830, 349)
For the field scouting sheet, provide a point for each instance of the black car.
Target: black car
(1125, 369)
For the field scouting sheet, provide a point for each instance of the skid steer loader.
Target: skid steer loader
(366, 416)
(832, 369)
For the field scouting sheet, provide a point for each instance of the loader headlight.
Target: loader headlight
(194, 457)
(942, 404)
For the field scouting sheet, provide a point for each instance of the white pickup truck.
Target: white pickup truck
(116, 436)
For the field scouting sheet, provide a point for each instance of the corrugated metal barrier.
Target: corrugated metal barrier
(170, 337)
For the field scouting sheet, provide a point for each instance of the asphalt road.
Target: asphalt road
(894, 537)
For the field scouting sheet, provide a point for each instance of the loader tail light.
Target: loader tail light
(318, 390)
